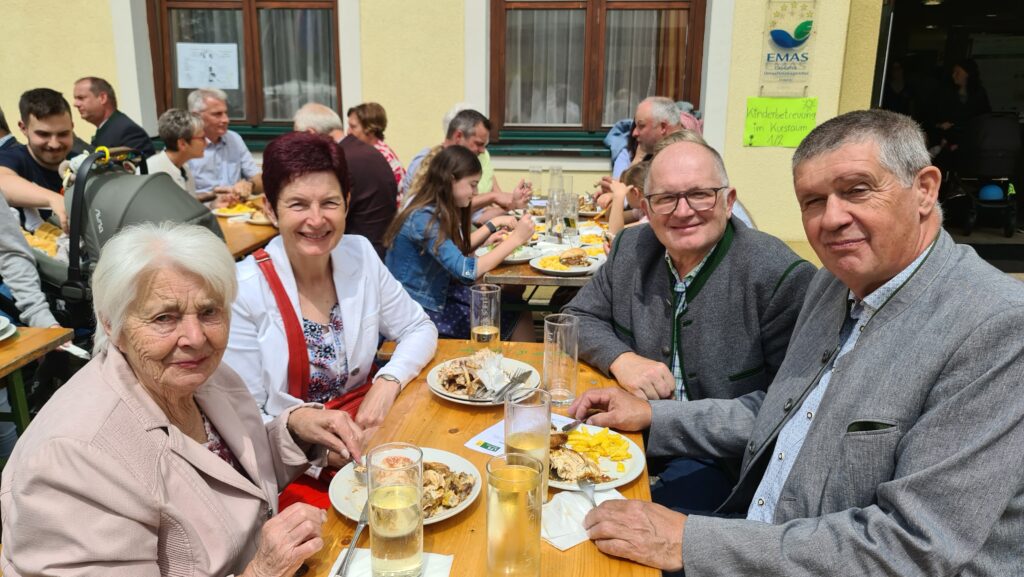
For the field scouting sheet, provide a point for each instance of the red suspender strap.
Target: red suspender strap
(298, 356)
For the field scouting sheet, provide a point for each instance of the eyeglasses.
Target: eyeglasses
(699, 199)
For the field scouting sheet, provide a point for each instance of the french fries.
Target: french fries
(604, 443)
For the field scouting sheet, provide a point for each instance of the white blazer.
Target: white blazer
(372, 303)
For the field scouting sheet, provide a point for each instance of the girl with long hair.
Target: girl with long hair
(431, 245)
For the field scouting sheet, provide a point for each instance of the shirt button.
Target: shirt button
(751, 447)
(788, 405)
(782, 455)
(760, 502)
(810, 415)
(666, 351)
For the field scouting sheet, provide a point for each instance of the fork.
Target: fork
(587, 486)
(518, 378)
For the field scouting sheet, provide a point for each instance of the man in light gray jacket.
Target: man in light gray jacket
(890, 441)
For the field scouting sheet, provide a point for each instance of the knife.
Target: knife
(515, 381)
(363, 517)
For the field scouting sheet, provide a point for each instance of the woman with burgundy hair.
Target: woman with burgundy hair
(311, 308)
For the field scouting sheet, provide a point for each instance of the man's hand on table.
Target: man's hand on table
(643, 377)
(643, 532)
(618, 409)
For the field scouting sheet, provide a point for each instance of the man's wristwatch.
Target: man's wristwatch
(392, 378)
(490, 226)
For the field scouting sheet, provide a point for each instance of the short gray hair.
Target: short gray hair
(197, 98)
(716, 158)
(466, 122)
(663, 110)
(901, 144)
(318, 117)
(175, 124)
(138, 251)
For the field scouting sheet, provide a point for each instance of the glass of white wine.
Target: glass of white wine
(528, 427)
(513, 515)
(485, 317)
(396, 517)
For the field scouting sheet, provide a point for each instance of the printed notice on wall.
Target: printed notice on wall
(788, 48)
(782, 122)
(207, 65)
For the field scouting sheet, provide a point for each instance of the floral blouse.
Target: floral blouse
(328, 363)
(216, 445)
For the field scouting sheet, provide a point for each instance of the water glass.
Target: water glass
(535, 179)
(396, 517)
(570, 213)
(528, 427)
(561, 357)
(555, 178)
(513, 515)
(485, 317)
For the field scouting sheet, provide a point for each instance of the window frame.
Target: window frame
(158, 15)
(595, 35)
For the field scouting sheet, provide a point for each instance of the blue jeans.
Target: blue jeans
(691, 486)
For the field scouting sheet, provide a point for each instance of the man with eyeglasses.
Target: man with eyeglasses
(694, 306)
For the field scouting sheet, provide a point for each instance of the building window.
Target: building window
(583, 65)
(270, 57)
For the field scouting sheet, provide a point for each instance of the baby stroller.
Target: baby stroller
(985, 164)
(108, 196)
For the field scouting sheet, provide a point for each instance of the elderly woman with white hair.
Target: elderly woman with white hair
(153, 459)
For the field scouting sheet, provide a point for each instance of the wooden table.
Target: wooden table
(27, 345)
(243, 238)
(421, 418)
(525, 275)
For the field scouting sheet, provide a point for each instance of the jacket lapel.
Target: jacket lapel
(219, 411)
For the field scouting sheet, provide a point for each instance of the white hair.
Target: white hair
(663, 110)
(318, 117)
(197, 98)
(136, 252)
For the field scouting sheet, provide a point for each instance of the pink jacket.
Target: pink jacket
(102, 484)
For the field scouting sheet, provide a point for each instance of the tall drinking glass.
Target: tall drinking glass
(570, 213)
(561, 360)
(555, 178)
(528, 427)
(513, 516)
(535, 179)
(396, 518)
(485, 317)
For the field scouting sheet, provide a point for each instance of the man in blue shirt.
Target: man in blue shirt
(889, 442)
(28, 173)
(227, 166)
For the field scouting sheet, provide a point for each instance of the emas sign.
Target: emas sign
(785, 69)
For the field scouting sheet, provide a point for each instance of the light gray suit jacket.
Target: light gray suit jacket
(914, 464)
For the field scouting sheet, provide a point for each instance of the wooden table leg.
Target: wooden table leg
(19, 403)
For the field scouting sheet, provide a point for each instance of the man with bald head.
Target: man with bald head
(695, 305)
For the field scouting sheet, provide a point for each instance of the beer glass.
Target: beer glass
(396, 517)
(485, 317)
(513, 516)
(561, 360)
(528, 427)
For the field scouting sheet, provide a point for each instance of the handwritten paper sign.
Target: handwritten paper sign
(780, 122)
(207, 65)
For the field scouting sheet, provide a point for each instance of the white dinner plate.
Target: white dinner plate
(634, 466)
(595, 263)
(509, 366)
(518, 256)
(348, 495)
(8, 330)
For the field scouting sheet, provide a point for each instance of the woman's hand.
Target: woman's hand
(332, 429)
(286, 540)
(376, 404)
(504, 221)
(521, 195)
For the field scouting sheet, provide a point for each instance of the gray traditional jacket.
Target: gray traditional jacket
(914, 464)
(740, 310)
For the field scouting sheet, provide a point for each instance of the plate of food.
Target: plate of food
(572, 262)
(592, 239)
(259, 218)
(605, 457)
(458, 380)
(236, 209)
(450, 485)
(519, 255)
